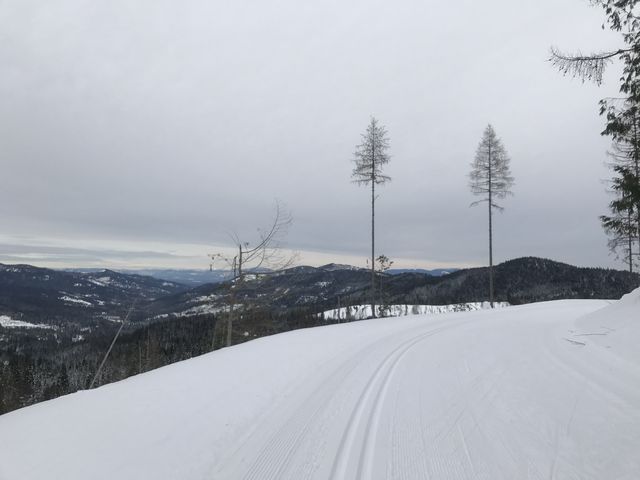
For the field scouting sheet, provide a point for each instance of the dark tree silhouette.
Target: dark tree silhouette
(370, 156)
(491, 179)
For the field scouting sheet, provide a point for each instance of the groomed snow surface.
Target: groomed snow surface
(542, 391)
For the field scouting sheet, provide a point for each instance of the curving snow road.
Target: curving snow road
(549, 391)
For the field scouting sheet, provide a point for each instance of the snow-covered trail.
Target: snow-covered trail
(536, 391)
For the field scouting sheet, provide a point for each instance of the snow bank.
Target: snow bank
(361, 312)
(615, 327)
(501, 394)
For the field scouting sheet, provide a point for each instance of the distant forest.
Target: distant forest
(34, 370)
(38, 365)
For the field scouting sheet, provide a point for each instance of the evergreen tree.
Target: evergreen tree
(370, 156)
(383, 264)
(623, 225)
(490, 178)
(622, 16)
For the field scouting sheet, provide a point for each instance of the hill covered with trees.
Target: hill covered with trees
(56, 326)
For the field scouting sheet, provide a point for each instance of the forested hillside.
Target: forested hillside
(56, 326)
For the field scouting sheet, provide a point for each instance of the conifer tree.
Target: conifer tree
(622, 16)
(623, 225)
(370, 156)
(491, 179)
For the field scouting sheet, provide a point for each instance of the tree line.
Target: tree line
(622, 123)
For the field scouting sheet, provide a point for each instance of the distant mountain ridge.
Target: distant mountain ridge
(187, 277)
(74, 300)
(436, 272)
(55, 326)
(197, 277)
(518, 281)
(79, 303)
(40, 295)
(529, 279)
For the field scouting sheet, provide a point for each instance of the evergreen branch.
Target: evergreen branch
(586, 67)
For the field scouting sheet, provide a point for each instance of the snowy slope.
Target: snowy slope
(8, 322)
(515, 393)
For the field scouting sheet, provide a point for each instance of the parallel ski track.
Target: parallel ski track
(278, 453)
(373, 396)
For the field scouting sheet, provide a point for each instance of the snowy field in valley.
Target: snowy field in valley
(8, 322)
(541, 391)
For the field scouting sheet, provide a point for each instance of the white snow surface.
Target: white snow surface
(8, 322)
(68, 299)
(542, 391)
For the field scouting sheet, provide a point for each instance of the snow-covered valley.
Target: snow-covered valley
(8, 322)
(547, 390)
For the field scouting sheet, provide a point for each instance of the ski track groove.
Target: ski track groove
(415, 459)
(355, 456)
(395, 457)
(276, 455)
(465, 447)
(425, 459)
(381, 376)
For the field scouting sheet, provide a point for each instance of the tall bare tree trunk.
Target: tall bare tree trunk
(491, 178)
(373, 242)
(370, 156)
(490, 257)
(490, 235)
(373, 230)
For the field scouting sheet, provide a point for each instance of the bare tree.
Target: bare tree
(490, 178)
(267, 253)
(369, 158)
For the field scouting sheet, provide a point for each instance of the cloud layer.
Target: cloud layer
(178, 122)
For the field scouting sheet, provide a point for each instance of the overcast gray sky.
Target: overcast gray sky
(139, 133)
